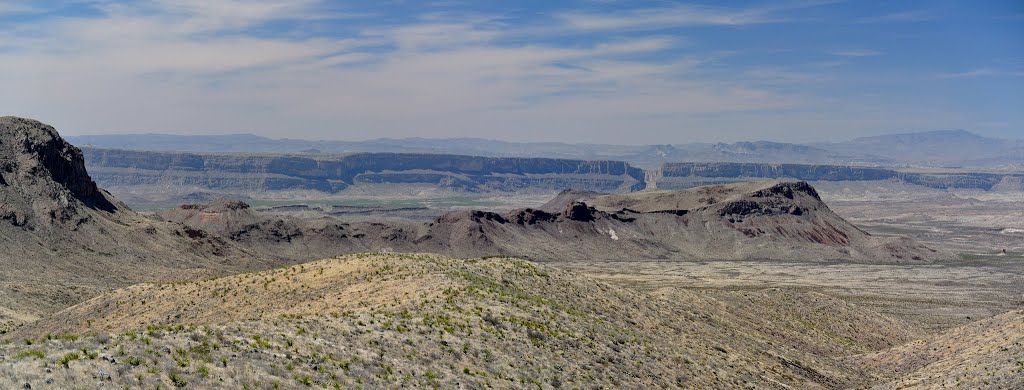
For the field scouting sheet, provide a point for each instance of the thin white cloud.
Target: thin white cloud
(920, 15)
(856, 53)
(979, 72)
(16, 7)
(656, 18)
(188, 66)
(683, 15)
(784, 77)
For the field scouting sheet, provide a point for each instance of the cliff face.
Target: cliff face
(63, 239)
(254, 173)
(685, 175)
(43, 181)
(247, 174)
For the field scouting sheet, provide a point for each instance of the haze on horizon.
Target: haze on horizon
(651, 72)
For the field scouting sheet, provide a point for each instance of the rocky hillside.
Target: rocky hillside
(984, 354)
(252, 173)
(292, 238)
(63, 239)
(420, 321)
(750, 221)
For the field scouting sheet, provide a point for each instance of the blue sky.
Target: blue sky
(577, 71)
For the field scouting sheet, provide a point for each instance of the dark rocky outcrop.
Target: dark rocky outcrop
(530, 216)
(62, 238)
(579, 211)
(44, 178)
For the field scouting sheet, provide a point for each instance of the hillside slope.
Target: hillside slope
(987, 354)
(419, 320)
(62, 238)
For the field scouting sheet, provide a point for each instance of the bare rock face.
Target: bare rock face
(579, 211)
(62, 238)
(43, 180)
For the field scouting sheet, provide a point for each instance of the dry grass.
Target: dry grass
(385, 321)
(408, 320)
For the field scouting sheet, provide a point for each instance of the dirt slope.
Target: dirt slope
(987, 354)
(499, 322)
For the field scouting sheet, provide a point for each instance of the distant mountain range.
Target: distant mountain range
(944, 148)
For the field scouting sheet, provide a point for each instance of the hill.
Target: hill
(420, 320)
(984, 354)
(63, 239)
(748, 221)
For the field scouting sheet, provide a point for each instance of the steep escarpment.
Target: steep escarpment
(685, 175)
(765, 220)
(248, 173)
(160, 176)
(43, 181)
(62, 238)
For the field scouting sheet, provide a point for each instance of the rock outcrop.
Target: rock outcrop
(62, 238)
(43, 181)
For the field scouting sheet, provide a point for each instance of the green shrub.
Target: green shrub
(177, 379)
(68, 358)
(304, 379)
(30, 353)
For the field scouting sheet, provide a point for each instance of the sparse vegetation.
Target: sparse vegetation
(68, 358)
(426, 321)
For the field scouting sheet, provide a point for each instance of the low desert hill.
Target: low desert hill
(746, 221)
(387, 320)
(984, 354)
(62, 239)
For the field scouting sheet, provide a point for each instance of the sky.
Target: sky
(594, 71)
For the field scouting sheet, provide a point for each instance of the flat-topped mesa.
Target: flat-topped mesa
(233, 174)
(685, 175)
(756, 221)
(684, 201)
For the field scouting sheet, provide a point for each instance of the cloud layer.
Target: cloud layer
(312, 69)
